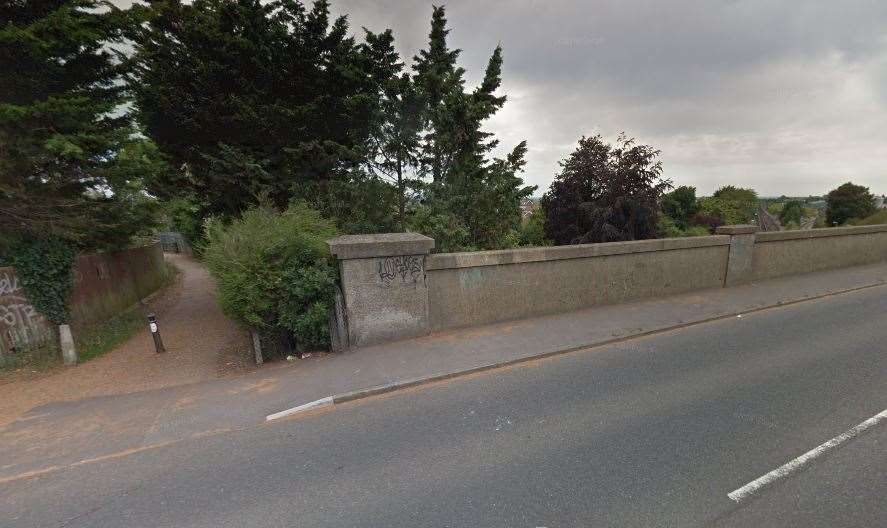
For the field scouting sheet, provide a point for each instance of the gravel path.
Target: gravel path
(201, 344)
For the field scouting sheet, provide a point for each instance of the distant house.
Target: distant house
(881, 202)
(527, 206)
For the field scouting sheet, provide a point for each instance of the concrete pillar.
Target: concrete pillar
(383, 285)
(742, 247)
(66, 343)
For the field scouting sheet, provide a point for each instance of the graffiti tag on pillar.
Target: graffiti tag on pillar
(405, 269)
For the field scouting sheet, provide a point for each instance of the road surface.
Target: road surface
(655, 431)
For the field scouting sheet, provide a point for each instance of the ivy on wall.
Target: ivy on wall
(45, 270)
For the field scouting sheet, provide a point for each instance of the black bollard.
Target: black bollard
(155, 333)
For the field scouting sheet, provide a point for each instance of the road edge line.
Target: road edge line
(322, 402)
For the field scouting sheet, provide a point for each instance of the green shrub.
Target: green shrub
(671, 230)
(876, 219)
(532, 230)
(274, 271)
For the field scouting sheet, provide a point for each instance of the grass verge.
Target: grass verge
(37, 358)
(105, 336)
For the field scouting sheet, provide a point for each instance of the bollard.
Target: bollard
(155, 333)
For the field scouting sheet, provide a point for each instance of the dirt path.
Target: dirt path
(201, 344)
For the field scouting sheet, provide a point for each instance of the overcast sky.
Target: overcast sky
(785, 96)
(788, 97)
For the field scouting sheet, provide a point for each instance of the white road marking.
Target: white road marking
(323, 402)
(786, 469)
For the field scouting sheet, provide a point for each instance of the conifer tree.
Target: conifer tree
(396, 139)
(61, 128)
(254, 99)
(473, 200)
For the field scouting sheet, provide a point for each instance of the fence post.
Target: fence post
(742, 247)
(383, 285)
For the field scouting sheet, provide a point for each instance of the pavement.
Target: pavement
(202, 344)
(654, 430)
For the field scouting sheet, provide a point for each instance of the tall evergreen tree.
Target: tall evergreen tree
(438, 78)
(473, 201)
(253, 98)
(61, 128)
(395, 142)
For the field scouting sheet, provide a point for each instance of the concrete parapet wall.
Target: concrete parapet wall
(393, 290)
(782, 253)
(478, 288)
(384, 286)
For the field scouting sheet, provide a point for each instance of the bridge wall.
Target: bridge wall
(467, 289)
(780, 253)
(394, 289)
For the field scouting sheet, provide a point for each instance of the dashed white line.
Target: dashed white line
(786, 469)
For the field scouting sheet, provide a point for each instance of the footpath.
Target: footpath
(60, 435)
(202, 344)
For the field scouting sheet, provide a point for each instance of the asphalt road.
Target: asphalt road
(649, 432)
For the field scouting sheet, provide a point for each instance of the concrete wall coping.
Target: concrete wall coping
(795, 234)
(540, 254)
(738, 229)
(379, 245)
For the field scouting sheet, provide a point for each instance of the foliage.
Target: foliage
(744, 200)
(670, 229)
(44, 269)
(532, 231)
(605, 193)
(447, 230)
(849, 201)
(709, 222)
(730, 205)
(252, 97)
(478, 198)
(274, 271)
(680, 205)
(61, 134)
(792, 213)
(876, 219)
(40, 356)
(359, 204)
(724, 211)
(183, 214)
(394, 142)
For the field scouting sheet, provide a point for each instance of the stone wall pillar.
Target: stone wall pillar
(742, 247)
(383, 285)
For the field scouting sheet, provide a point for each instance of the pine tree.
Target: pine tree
(438, 79)
(473, 201)
(61, 128)
(396, 138)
